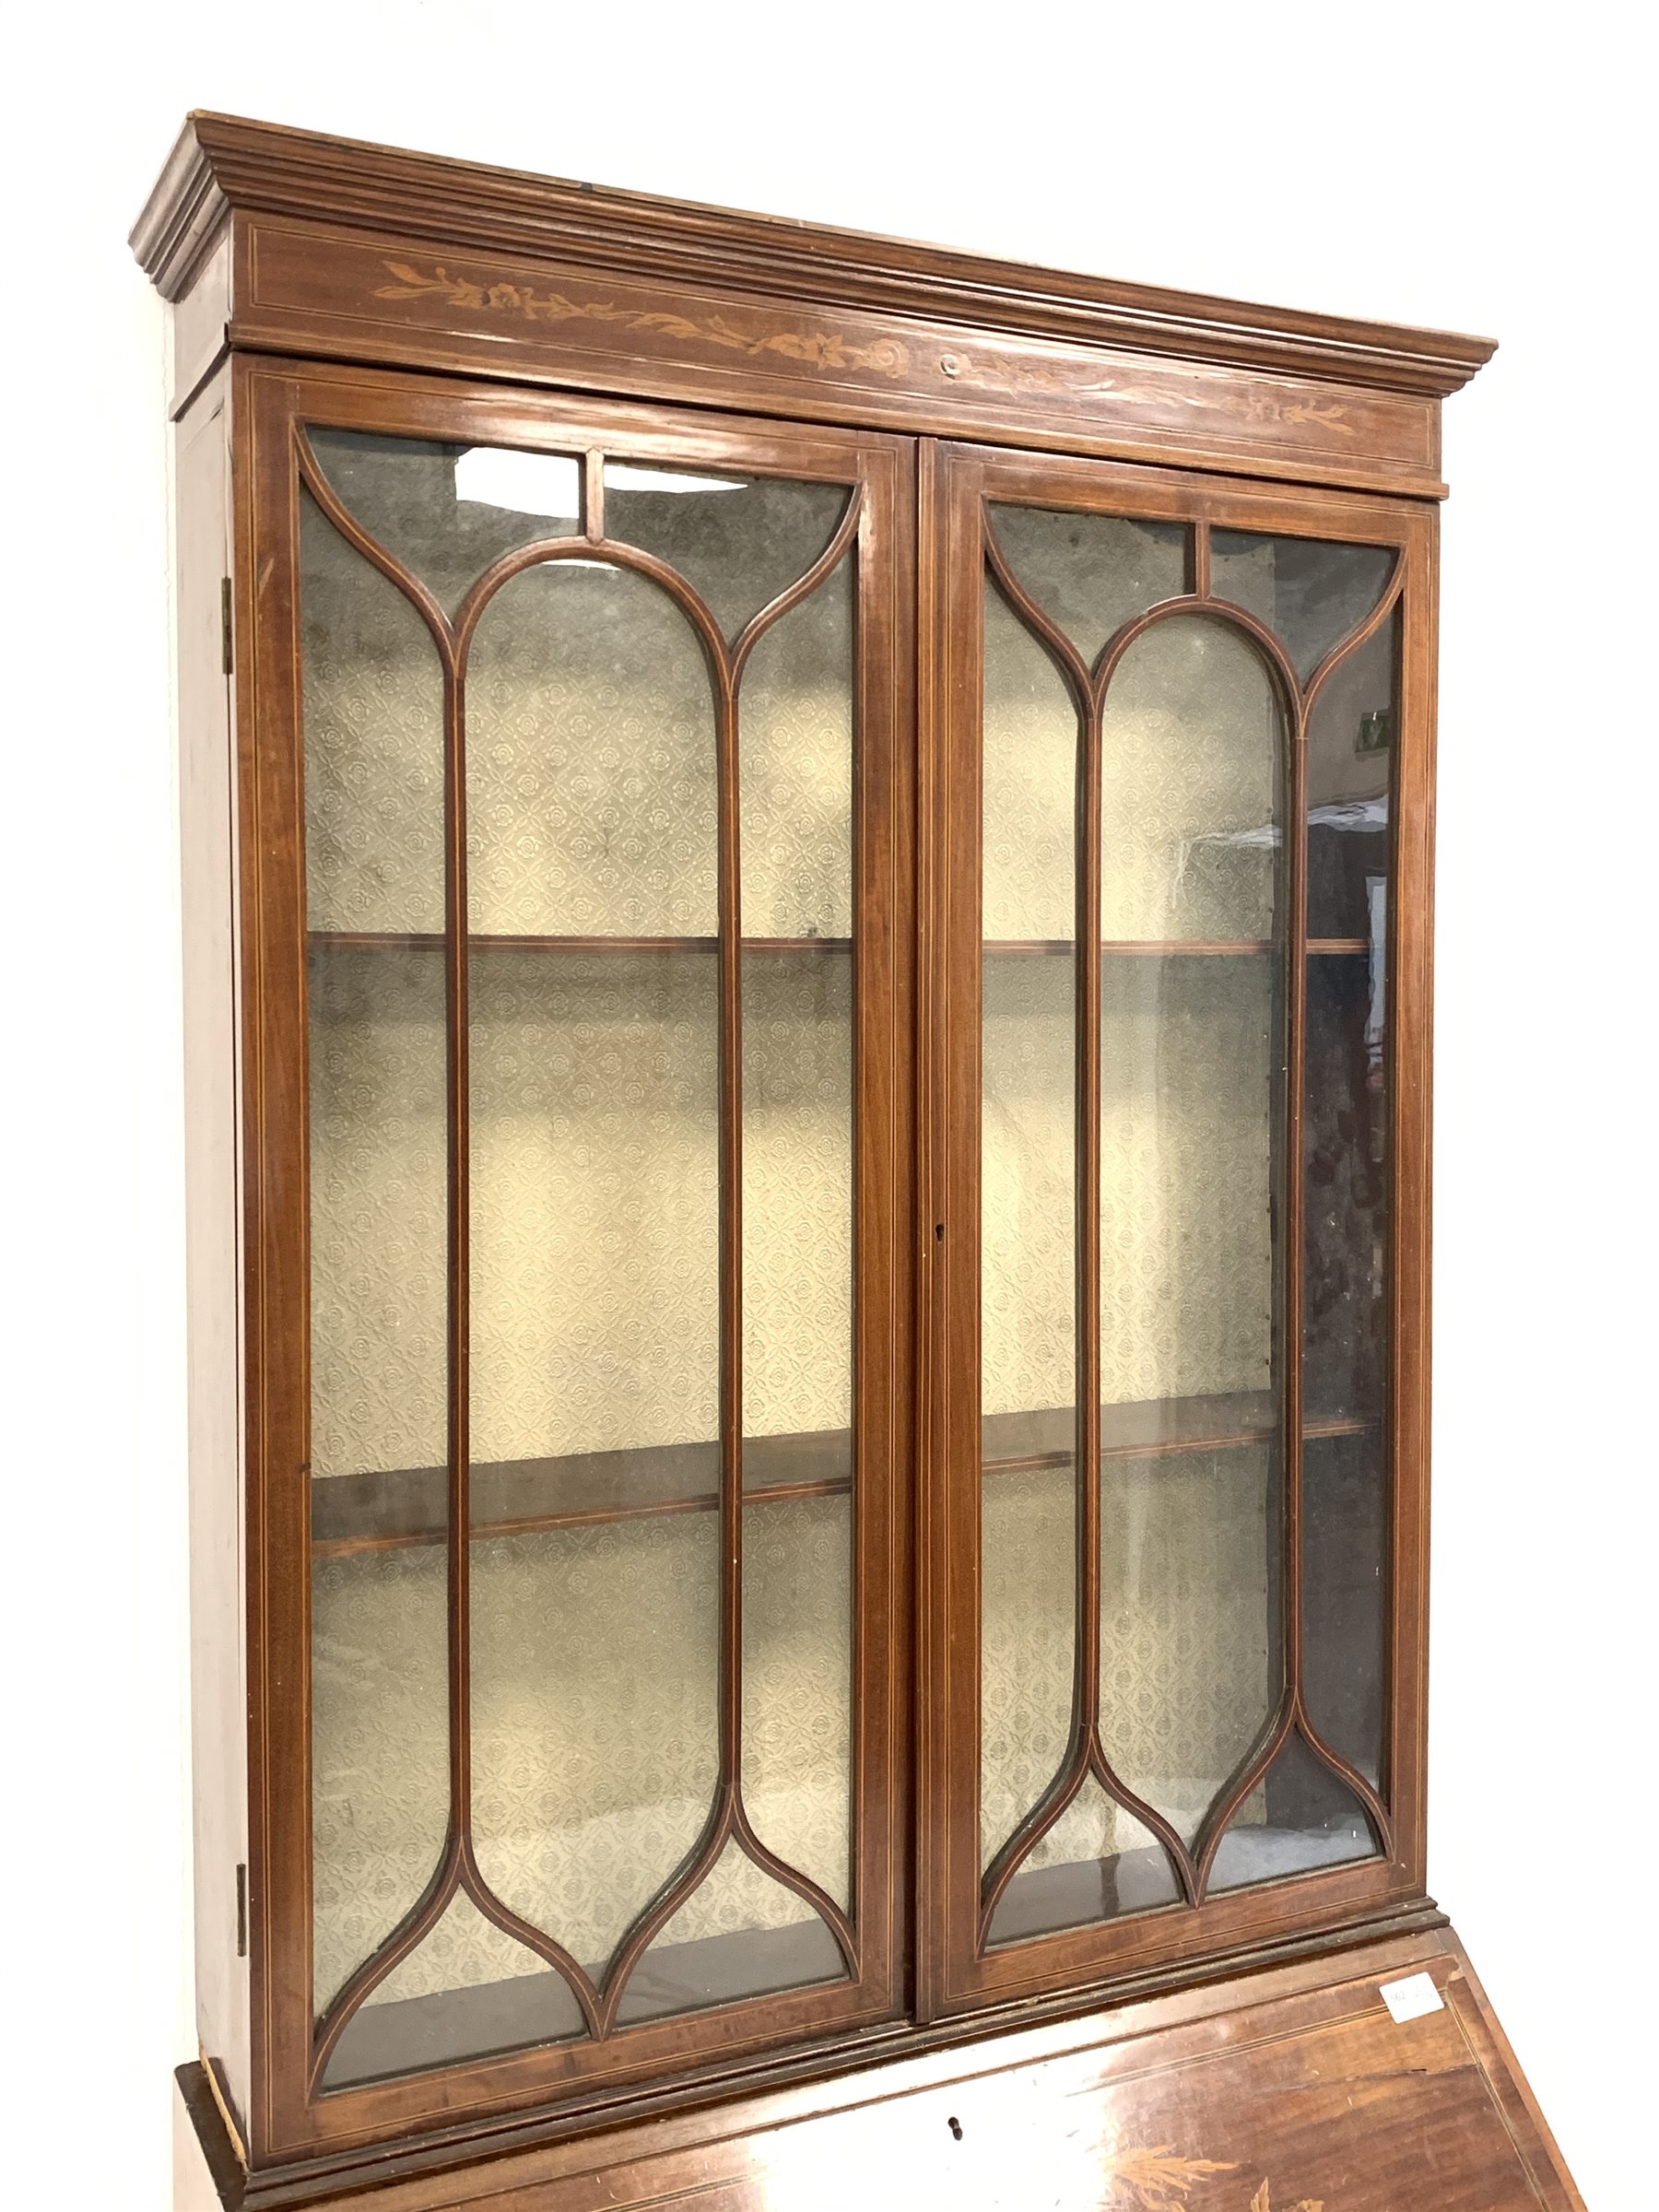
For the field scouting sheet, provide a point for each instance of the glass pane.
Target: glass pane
(593, 1713)
(1302, 1818)
(590, 761)
(372, 697)
(372, 707)
(595, 1254)
(1191, 1128)
(795, 795)
(1189, 1591)
(1192, 1045)
(380, 1747)
(740, 1933)
(465, 1990)
(1028, 1635)
(797, 1684)
(1091, 573)
(595, 1402)
(1350, 748)
(1028, 1335)
(1346, 1150)
(1029, 802)
(1190, 759)
(1345, 1609)
(1096, 1862)
(1028, 1293)
(796, 768)
(737, 540)
(446, 512)
(1310, 594)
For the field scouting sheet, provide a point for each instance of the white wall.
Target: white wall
(1433, 163)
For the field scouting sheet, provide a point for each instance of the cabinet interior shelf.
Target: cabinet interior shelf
(376, 940)
(389, 1510)
(380, 940)
(1162, 949)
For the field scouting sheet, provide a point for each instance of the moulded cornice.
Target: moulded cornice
(223, 164)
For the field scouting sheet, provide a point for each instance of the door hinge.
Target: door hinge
(225, 626)
(242, 1910)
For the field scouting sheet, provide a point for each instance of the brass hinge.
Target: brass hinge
(225, 626)
(242, 1910)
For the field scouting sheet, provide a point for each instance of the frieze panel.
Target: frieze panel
(350, 296)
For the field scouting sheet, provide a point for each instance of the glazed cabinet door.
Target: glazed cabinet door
(1176, 1131)
(574, 868)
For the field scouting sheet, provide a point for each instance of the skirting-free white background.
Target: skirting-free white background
(1478, 168)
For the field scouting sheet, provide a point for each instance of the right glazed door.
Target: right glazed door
(1177, 1418)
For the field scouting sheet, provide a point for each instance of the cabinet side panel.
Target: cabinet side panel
(197, 336)
(219, 1700)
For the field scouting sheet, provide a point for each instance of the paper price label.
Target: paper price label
(1410, 1999)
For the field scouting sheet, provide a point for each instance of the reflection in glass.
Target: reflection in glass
(447, 511)
(1350, 752)
(1311, 594)
(1302, 1818)
(1347, 1225)
(1091, 573)
(737, 540)
(1345, 1228)
(1097, 1861)
(1345, 1604)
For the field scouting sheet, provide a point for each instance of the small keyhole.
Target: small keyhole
(955, 2126)
(938, 1232)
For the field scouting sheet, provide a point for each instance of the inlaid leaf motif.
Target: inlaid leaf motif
(1156, 2179)
(1260, 2203)
(816, 348)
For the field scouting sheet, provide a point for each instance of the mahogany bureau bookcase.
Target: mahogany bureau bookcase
(807, 921)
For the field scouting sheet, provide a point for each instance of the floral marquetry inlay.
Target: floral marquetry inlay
(816, 348)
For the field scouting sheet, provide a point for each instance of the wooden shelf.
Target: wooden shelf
(374, 940)
(1149, 1429)
(1159, 948)
(1162, 949)
(390, 1511)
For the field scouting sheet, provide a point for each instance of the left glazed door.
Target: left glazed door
(573, 873)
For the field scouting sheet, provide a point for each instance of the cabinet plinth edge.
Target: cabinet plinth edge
(225, 164)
